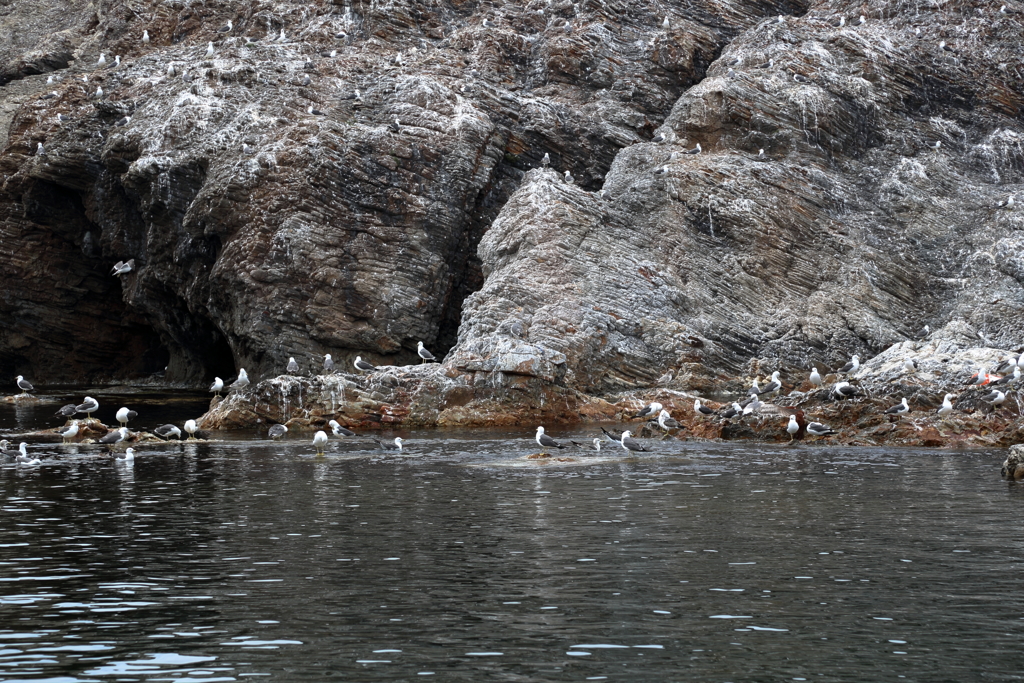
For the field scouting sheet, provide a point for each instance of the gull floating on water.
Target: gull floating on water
(631, 444)
(277, 431)
(129, 457)
(25, 459)
(338, 430)
(24, 385)
(167, 431)
(426, 356)
(395, 447)
(545, 441)
(217, 386)
(595, 445)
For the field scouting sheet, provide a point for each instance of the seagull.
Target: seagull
(124, 268)
(793, 427)
(102, 61)
(69, 433)
(695, 150)
(800, 78)
(24, 458)
(753, 406)
(117, 60)
(209, 50)
(277, 431)
(666, 421)
(99, 92)
(124, 415)
(844, 390)
(702, 410)
(426, 356)
(40, 150)
(319, 442)
(631, 444)
(666, 378)
(760, 154)
(338, 430)
(767, 65)
(774, 385)
(595, 445)
(306, 80)
(328, 364)
(840, 22)
(611, 438)
(145, 37)
(24, 385)
(171, 71)
(754, 389)
(114, 437)
(568, 178)
(665, 24)
(545, 441)
(946, 407)
(217, 386)
(312, 111)
(818, 429)
(980, 378)
(167, 431)
(996, 398)
(190, 429)
(225, 29)
(923, 332)
(293, 367)
(88, 406)
(936, 145)
(545, 160)
(242, 381)
(902, 409)
(732, 411)
(49, 80)
(1009, 378)
(650, 409)
(281, 38)
(910, 365)
(815, 378)
(67, 411)
(129, 457)
(863, 20)
(395, 447)
(362, 365)
(851, 367)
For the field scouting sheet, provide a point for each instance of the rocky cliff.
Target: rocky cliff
(354, 178)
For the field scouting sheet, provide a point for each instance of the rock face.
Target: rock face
(376, 178)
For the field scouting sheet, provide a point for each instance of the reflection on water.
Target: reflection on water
(249, 559)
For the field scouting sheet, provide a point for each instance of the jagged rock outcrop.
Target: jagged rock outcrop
(320, 181)
(263, 230)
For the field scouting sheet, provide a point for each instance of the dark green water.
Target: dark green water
(249, 560)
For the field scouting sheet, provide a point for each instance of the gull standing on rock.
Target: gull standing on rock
(815, 378)
(651, 409)
(24, 385)
(666, 421)
(702, 410)
(631, 444)
(545, 441)
(793, 427)
(167, 431)
(328, 364)
(69, 433)
(946, 408)
(818, 429)
(1010, 378)
(88, 406)
(209, 50)
(217, 386)
(114, 437)
(996, 398)
(319, 442)
(190, 429)
(901, 409)
(67, 411)
(732, 411)
(909, 365)
(362, 366)
(242, 382)
(979, 378)
(293, 367)
(145, 37)
(425, 356)
(844, 390)
(102, 61)
(774, 385)
(851, 367)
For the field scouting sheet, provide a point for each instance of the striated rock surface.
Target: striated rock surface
(375, 179)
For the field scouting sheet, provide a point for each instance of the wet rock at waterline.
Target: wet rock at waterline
(408, 204)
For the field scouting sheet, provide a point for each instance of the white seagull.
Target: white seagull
(24, 385)
(732, 411)
(69, 433)
(293, 367)
(217, 386)
(319, 442)
(24, 458)
(209, 50)
(651, 409)
(774, 385)
(425, 356)
(167, 431)
(328, 364)
(145, 37)
(362, 366)
(666, 421)
(996, 398)
(631, 444)
(947, 406)
(815, 378)
(338, 430)
(191, 428)
(242, 381)
(852, 366)
(701, 409)
(818, 429)
(395, 447)
(88, 406)
(901, 409)
(115, 437)
(793, 427)
(124, 415)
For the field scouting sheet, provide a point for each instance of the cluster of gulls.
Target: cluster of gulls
(120, 435)
(1005, 373)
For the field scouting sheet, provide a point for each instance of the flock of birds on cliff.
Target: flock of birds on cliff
(1005, 373)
